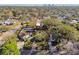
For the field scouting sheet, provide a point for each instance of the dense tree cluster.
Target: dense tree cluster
(10, 46)
(58, 28)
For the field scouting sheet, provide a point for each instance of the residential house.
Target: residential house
(12, 17)
(73, 21)
(27, 33)
(77, 19)
(21, 35)
(28, 36)
(38, 23)
(28, 29)
(62, 17)
(8, 22)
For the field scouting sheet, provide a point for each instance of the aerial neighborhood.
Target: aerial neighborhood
(39, 30)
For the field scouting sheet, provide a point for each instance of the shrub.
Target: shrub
(64, 32)
(10, 46)
(28, 44)
(41, 35)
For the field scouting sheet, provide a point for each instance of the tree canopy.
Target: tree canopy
(10, 46)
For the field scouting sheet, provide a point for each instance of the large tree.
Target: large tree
(51, 22)
(64, 32)
(41, 36)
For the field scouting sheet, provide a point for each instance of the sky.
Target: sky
(39, 1)
(66, 1)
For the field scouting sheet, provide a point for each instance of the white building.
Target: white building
(8, 22)
(73, 21)
(38, 23)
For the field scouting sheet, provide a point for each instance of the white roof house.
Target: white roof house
(8, 22)
(26, 36)
(73, 21)
(38, 23)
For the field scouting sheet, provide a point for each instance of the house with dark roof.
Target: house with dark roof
(28, 29)
(62, 17)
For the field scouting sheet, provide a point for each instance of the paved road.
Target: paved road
(9, 33)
